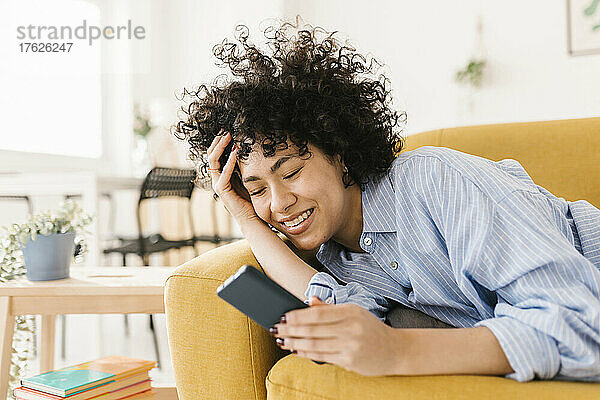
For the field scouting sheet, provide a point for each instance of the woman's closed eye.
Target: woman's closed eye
(292, 174)
(259, 192)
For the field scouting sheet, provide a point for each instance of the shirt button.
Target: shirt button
(394, 265)
(367, 241)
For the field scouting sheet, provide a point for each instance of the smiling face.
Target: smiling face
(303, 197)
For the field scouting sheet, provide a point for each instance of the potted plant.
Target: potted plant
(41, 248)
(47, 242)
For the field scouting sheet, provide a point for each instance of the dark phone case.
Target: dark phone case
(256, 295)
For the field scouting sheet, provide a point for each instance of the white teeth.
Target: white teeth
(298, 220)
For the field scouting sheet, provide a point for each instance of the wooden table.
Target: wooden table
(89, 290)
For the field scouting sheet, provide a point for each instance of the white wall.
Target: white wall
(530, 75)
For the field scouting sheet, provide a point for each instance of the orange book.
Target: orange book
(98, 393)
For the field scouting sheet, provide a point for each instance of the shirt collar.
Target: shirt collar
(379, 205)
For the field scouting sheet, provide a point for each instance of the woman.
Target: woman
(304, 141)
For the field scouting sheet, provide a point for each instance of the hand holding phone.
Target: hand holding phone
(260, 298)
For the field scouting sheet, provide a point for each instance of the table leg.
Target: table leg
(7, 326)
(47, 347)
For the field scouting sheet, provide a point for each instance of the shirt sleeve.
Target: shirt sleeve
(325, 287)
(547, 315)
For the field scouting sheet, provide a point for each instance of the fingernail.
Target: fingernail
(282, 319)
(279, 341)
(273, 330)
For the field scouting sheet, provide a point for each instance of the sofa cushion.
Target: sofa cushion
(295, 377)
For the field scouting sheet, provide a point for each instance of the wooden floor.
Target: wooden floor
(93, 336)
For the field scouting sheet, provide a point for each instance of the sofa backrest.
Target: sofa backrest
(562, 156)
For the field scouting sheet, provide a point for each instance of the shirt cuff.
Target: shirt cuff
(530, 353)
(326, 288)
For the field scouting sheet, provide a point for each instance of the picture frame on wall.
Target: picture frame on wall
(583, 27)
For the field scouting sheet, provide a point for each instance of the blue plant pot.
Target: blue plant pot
(49, 257)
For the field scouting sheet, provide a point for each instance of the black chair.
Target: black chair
(159, 182)
(165, 182)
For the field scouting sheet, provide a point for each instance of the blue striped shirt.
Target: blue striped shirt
(475, 242)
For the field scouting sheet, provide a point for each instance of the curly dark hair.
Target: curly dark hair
(311, 89)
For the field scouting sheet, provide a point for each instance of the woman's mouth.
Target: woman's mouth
(300, 224)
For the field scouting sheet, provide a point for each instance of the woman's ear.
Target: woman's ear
(341, 163)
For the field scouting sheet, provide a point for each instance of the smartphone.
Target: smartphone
(256, 295)
(259, 297)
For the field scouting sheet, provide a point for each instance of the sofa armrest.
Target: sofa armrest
(217, 352)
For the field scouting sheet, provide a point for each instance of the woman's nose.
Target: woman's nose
(281, 200)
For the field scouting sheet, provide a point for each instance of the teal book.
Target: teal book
(67, 382)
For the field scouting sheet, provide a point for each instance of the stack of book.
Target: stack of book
(108, 378)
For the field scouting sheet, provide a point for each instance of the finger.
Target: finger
(229, 167)
(214, 142)
(324, 314)
(324, 346)
(213, 157)
(308, 331)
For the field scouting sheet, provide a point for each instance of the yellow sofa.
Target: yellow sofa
(218, 353)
